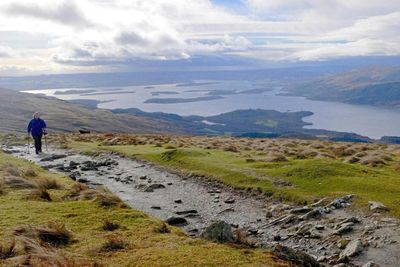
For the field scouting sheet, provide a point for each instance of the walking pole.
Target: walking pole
(45, 141)
(29, 143)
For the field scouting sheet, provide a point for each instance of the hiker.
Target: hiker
(37, 128)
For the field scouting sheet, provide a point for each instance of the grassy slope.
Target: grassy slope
(16, 110)
(146, 247)
(311, 178)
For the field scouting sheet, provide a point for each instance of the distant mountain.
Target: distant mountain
(144, 78)
(372, 86)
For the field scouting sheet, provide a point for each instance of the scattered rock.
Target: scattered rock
(178, 201)
(143, 177)
(377, 206)
(89, 166)
(177, 221)
(353, 248)
(53, 157)
(353, 220)
(74, 176)
(276, 238)
(300, 210)
(219, 231)
(344, 228)
(230, 200)
(313, 214)
(299, 258)
(342, 243)
(83, 180)
(152, 187)
(284, 219)
(252, 231)
(371, 264)
(155, 207)
(340, 202)
(184, 212)
(73, 164)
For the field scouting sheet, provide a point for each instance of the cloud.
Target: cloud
(377, 35)
(6, 52)
(60, 35)
(67, 13)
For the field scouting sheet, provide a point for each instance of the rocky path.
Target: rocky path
(327, 230)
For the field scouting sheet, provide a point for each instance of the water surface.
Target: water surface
(374, 122)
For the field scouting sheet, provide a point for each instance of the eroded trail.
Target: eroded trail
(328, 230)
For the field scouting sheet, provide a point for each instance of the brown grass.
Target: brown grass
(30, 172)
(39, 255)
(2, 188)
(49, 184)
(18, 182)
(12, 170)
(276, 157)
(54, 234)
(113, 243)
(162, 228)
(40, 193)
(8, 251)
(110, 225)
(101, 196)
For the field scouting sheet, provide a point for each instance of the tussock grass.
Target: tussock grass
(2, 188)
(8, 250)
(162, 228)
(40, 193)
(113, 243)
(12, 170)
(110, 225)
(54, 234)
(101, 196)
(39, 255)
(30, 172)
(312, 168)
(48, 183)
(17, 182)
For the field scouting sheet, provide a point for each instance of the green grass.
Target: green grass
(146, 245)
(311, 178)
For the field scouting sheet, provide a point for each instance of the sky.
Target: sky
(56, 36)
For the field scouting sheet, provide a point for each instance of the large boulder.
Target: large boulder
(220, 232)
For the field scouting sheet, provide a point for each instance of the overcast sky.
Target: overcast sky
(50, 36)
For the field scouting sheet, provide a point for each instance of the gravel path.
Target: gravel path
(315, 230)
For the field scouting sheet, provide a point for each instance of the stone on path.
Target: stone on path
(220, 232)
(354, 248)
(377, 206)
(177, 221)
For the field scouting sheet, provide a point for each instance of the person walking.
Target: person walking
(37, 128)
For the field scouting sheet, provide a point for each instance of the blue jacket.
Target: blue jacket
(36, 127)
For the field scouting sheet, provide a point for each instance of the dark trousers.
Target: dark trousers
(38, 142)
